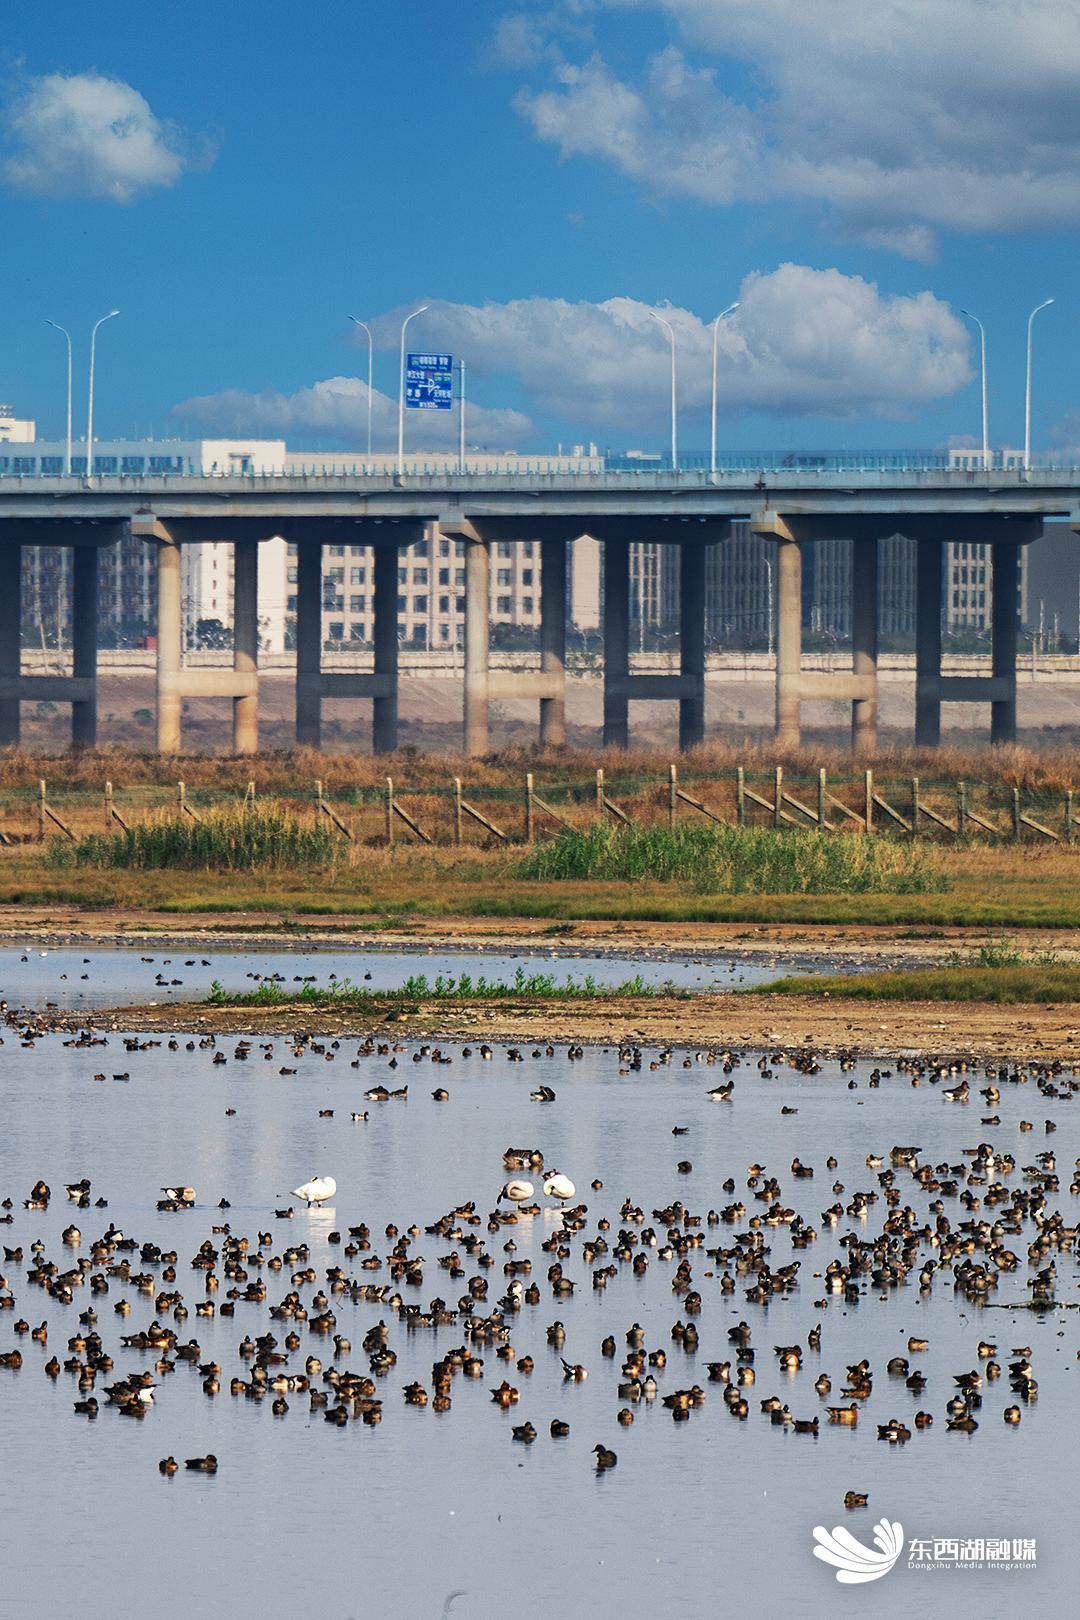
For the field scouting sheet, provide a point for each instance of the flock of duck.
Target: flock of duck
(489, 1299)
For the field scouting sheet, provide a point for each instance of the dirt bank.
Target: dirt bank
(879, 1028)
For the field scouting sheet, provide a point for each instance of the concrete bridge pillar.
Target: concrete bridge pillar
(692, 642)
(788, 642)
(928, 642)
(384, 729)
(616, 643)
(864, 643)
(553, 641)
(477, 635)
(169, 699)
(84, 642)
(309, 643)
(10, 638)
(1004, 631)
(246, 644)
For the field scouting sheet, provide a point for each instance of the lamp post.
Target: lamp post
(90, 407)
(370, 364)
(67, 455)
(1027, 392)
(401, 392)
(985, 424)
(674, 390)
(461, 417)
(715, 334)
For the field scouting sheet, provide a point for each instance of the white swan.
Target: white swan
(517, 1191)
(559, 1186)
(317, 1190)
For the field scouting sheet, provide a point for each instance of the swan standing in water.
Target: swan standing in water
(317, 1190)
(556, 1185)
(517, 1191)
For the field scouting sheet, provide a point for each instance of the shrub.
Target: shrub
(226, 839)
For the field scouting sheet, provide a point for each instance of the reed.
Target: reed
(735, 860)
(259, 838)
(444, 987)
(1031, 982)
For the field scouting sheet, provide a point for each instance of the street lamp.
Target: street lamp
(370, 363)
(985, 427)
(401, 392)
(67, 457)
(1027, 393)
(715, 334)
(90, 408)
(674, 390)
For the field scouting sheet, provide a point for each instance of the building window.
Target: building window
(357, 604)
(337, 551)
(444, 576)
(400, 605)
(337, 630)
(502, 604)
(459, 576)
(420, 549)
(419, 604)
(291, 575)
(356, 632)
(402, 576)
(459, 606)
(356, 575)
(527, 548)
(290, 604)
(444, 548)
(502, 576)
(526, 605)
(444, 604)
(503, 548)
(419, 576)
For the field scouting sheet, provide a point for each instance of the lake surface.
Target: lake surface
(71, 978)
(703, 1518)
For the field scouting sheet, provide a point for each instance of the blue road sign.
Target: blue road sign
(429, 382)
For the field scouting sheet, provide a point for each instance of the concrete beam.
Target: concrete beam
(226, 683)
(384, 723)
(616, 643)
(477, 636)
(508, 684)
(309, 643)
(788, 642)
(552, 643)
(692, 643)
(169, 705)
(864, 644)
(84, 640)
(1005, 620)
(246, 645)
(928, 567)
(817, 685)
(46, 689)
(10, 640)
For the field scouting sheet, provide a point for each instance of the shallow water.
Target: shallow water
(701, 1518)
(97, 977)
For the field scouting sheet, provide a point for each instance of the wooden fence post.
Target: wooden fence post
(1016, 812)
(1068, 816)
(868, 800)
(529, 807)
(600, 795)
(389, 811)
(42, 814)
(740, 797)
(821, 798)
(108, 807)
(914, 805)
(457, 809)
(778, 795)
(673, 794)
(961, 809)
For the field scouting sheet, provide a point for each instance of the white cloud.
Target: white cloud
(86, 135)
(906, 116)
(332, 415)
(803, 341)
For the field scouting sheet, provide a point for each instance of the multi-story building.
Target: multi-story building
(14, 429)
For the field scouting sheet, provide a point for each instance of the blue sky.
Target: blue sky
(238, 183)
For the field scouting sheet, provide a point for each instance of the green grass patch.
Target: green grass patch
(444, 987)
(736, 860)
(256, 838)
(1027, 982)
